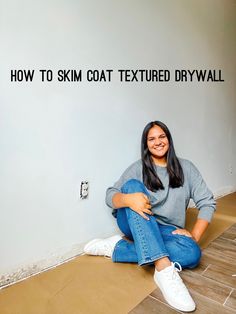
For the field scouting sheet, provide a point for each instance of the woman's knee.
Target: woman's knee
(196, 255)
(133, 186)
(185, 251)
(192, 253)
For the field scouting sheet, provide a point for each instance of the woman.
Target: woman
(150, 201)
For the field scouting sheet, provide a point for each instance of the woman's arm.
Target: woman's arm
(198, 230)
(138, 202)
(201, 195)
(134, 171)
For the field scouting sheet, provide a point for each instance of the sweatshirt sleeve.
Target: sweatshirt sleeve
(201, 195)
(132, 172)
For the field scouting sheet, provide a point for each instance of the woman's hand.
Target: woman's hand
(183, 232)
(139, 203)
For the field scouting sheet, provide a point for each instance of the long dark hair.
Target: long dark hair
(174, 169)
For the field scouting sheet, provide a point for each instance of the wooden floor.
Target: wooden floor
(212, 285)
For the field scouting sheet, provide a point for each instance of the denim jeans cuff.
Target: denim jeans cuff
(151, 260)
(113, 257)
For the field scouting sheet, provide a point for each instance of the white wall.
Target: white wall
(54, 135)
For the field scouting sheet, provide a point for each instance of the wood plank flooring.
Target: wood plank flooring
(211, 284)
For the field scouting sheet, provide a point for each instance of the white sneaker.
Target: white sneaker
(102, 247)
(173, 288)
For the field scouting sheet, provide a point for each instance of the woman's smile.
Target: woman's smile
(158, 144)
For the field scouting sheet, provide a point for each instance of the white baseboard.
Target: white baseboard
(32, 269)
(224, 191)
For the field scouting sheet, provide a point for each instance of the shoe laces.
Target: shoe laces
(178, 269)
(173, 274)
(175, 280)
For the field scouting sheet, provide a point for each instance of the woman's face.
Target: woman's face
(158, 144)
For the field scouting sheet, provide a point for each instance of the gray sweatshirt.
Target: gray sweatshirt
(169, 205)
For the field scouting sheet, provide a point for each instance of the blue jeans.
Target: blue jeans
(150, 240)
